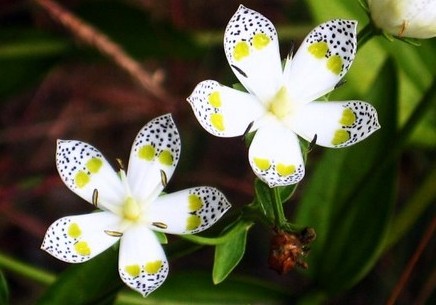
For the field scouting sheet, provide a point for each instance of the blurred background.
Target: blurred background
(55, 84)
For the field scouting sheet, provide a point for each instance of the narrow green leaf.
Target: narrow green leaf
(195, 288)
(229, 253)
(350, 197)
(4, 290)
(95, 282)
(263, 197)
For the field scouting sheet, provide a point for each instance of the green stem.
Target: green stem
(365, 35)
(26, 270)
(279, 213)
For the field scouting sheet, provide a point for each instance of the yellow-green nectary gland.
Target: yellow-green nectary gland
(260, 41)
(348, 118)
(194, 202)
(153, 267)
(74, 230)
(166, 158)
(131, 209)
(280, 105)
(94, 165)
(285, 170)
(146, 152)
(262, 164)
(334, 64)
(82, 248)
(81, 179)
(193, 222)
(215, 99)
(133, 270)
(318, 49)
(241, 50)
(217, 121)
(341, 136)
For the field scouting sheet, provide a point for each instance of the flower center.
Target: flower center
(280, 105)
(131, 209)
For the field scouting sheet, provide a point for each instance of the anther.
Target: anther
(239, 70)
(340, 83)
(159, 225)
(291, 50)
(120, 163)
(247, 130)
(113, 233)
(312, 143)
(95, 198)
(403, 28)
(163, 178)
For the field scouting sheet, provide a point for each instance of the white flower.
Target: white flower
(405, 18)
(132, 205)
(280, 102)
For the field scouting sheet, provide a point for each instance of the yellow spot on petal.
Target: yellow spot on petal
(348, 117)
(94, 165)
(215, 99)
(334, 64)
(285, 170)
(153, 267)
(82, 248)
(131, 209)
(81, 179)
(74, 230)
(280, 105)
(241, 50)
(262, 164)
(166, 158)
(195, 202)
(260, 41)
(193, 222)
(217, 121)
(341, 136)
(133, 270)
(146, 152)
(318, 49)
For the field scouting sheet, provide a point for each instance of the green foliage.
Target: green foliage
(4, 290)
(95, 282)
(349, 199)
(229, 253)
(196, 288)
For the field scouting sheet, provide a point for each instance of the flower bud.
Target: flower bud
(405, 18)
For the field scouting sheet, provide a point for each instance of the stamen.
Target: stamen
(340, 83)
(403, 28)
(95, 198)
(159, 225)
(120, 164)
(312, 143)
(113, 233)
(239, 70)
(247, 130)
(163, 178)
(291, 50)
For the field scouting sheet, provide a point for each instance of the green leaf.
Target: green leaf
(95, 282)
(349, 200)
(4, 290)
(263, 197)
(192, 288)
(229, 253)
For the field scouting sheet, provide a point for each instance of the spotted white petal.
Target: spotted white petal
(275, 155)
(224, 111)
(188, 211)
(88, 174)
(153, 158)
(142, 263)
(321, 61)
(335, 124)
(76, 239)
(252, 50)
